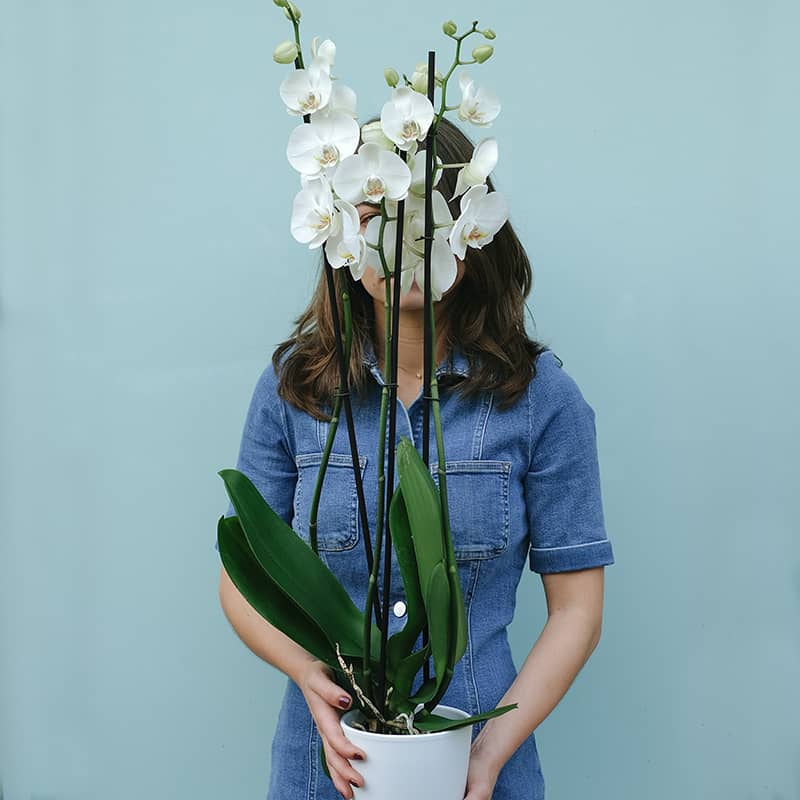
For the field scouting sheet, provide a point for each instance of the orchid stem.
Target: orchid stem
(390, 361)
(385, 397)
(332, 427)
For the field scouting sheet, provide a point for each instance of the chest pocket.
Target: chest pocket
(477, 498)
(338, 503)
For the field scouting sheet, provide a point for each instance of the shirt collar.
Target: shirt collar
(457, 363)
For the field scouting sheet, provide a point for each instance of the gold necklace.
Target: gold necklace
(407, 371)
(418, 374)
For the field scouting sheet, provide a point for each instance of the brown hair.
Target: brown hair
(489, 326)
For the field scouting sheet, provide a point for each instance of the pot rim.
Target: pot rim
(396, 736)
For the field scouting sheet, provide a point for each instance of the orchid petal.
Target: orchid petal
(348, 182)
(406, 280)
(418, 166)
(492, 215)
(343, 99)
(474, 193)
(357, 268)
(444, 269)
(326, 51)
(395, 173)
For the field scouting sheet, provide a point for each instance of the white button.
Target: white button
(399, 608)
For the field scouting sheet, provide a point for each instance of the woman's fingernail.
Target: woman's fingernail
(344, 701)
(358, 757)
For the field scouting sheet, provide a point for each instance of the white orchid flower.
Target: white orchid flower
(313, 212)
(482, 215)
(478, 106)
(406, 117)
(325, 52)
(370, 175)
(483, 161)
(443, 264)
(346, 245)
(321, 144)
(305, 91)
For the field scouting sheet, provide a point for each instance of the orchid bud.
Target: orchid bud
(373, 132)
(285, 52)
(289, 6)
(419, 80)
(391, 76)
(449, 27)
(280, 3)
(482, 53)
(489, 33)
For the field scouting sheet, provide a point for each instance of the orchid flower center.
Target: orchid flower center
(474, 114)
(475, 234)
(410, 129)
(328, 156)
(374, 187)
(310, 102)
(323, 221)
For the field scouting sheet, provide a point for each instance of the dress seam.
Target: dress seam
(469, 637)
(312, 772)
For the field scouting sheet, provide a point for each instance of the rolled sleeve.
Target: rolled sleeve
(264, 452)
(562, 487)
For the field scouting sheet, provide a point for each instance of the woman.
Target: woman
(523, 485)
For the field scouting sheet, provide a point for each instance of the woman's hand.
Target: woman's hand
(323, 694)
(481, 778)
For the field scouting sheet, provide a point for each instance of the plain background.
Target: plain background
(648, 152)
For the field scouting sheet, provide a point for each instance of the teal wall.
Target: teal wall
(147, 270)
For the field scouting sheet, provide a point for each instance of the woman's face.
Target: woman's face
(373, 280)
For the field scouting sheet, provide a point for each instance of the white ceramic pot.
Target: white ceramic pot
(425, 766)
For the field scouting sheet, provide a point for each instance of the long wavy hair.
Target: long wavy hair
(488, 325)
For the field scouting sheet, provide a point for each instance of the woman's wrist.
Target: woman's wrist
(485, 754)
(300, 665)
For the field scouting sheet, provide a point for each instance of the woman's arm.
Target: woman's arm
(571, 633)
(260, 635)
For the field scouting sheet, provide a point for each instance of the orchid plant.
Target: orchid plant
(279, 574)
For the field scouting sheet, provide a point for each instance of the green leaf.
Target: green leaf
(265, 596)
(458, 619)
(423, 508)
(406, 671)
(296, 569)
(402, 643)
(458, 615)
(437, 599)
(425, 692)
(436, 722)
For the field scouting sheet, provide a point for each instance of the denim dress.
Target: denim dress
(523, 486)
